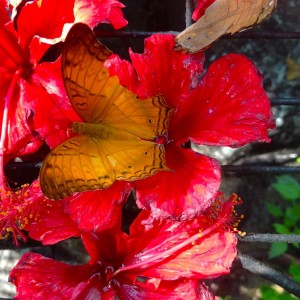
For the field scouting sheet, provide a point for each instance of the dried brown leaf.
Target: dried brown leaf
(223, 17)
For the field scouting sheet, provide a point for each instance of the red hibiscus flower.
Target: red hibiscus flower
(228, 107)
(162, 261)
(34, 103)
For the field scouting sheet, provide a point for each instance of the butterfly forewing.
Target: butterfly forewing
(82, 68)
(99, 98)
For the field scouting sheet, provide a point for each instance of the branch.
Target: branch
(8, 244)
(189, 7)
(269, 273)
(270, 238)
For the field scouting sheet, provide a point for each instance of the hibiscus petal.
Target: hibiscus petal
(52, 224)
(4, 12)
(12, 55)
(47, 97)
(210, 258)
(21, 137)
(50, 279)
(89, 211)
(174, 290)
(228, 108)
(105, 246)
(51, 19)
(98, 210)
(160, 70)
(93, 12)
(47, 19)
(124, 70)
(200, 248)
(186, 190)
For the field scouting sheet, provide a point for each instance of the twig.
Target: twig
(189, 7)
(8, 244)
(238, 36)
(270, 238)
(269, 273)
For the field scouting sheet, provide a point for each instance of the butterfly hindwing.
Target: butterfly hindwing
(85, 163)
(74, 166)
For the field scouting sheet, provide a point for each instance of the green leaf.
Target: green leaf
(294, 270)
(269, 293)
(287, 187)
(274, 210)
(292, 215)
(277, 249)
(281, 228)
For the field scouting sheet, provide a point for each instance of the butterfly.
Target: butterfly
(116, 140)
(223, 17)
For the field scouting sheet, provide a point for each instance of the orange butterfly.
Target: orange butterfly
(116, 140)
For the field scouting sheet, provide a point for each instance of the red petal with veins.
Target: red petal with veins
(228, 108)
(173, 290)
(21, 135)
(88, 211)
(169, 250)
(210, 258)
(94, 211)
(48, 96)
(98, 210)
(50, 18)
(52, 224)
(124, 71)
(12, 55)
(184, 191)
(50, 279)
(93, 12)
(160, 70)
(44, 18)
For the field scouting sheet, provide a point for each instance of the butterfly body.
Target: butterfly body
(101, 131)
(116, 138)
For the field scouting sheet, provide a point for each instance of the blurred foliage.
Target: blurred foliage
(270, 292)
(288, 216)
(287, 222)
